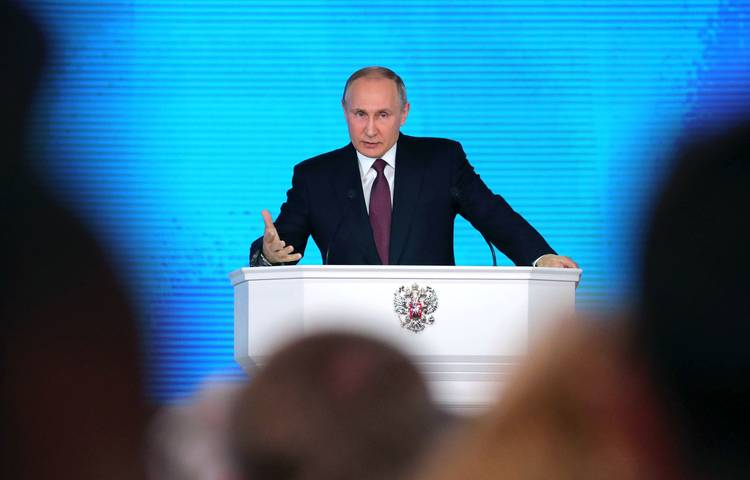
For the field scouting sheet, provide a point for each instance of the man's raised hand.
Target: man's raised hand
(275, 249)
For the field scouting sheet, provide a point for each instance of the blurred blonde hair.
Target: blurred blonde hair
(575, 410)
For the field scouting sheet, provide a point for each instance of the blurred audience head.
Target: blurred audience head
(694, 327)
(576, 409)
(190, 441)
(333, 406)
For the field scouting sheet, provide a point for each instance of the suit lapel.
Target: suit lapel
(408, 184)
(348, 188)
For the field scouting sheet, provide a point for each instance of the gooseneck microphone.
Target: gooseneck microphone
(492, 250)
(456, 194)
(350, 195)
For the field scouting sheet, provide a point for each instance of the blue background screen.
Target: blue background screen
(169, 125)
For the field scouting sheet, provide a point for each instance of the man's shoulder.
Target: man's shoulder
(429, 143)
(324, 160)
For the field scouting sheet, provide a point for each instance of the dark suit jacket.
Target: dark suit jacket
(433, 183)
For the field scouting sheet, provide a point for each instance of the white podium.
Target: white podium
(482, 318)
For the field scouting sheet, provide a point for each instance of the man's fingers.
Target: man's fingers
(277, 246)
(291, 258)
(568, 262)
(284, 250)
(557, 261)
(282, 253)
(284, 256)
(269, 235)
(267, 220)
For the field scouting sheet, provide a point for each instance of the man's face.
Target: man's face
(374, 115)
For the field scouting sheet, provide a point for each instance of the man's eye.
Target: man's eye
(360, 114)
(384, 114)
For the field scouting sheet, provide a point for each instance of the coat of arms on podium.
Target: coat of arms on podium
(414, 306)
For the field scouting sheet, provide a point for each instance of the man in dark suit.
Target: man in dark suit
(389, 198)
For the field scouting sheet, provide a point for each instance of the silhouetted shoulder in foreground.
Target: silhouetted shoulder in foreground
(695, 324)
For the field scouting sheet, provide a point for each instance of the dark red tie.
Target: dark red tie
(380, 211)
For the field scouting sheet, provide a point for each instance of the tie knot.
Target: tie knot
(379, 166)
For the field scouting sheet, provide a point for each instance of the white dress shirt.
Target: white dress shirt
(368, 174)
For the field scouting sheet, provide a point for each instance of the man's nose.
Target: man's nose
(370, 129)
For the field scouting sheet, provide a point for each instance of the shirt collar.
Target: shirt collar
(365, 163)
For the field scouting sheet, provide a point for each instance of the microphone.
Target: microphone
(456, 194)
(350, 195)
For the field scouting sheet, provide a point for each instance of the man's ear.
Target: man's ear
(405, 113)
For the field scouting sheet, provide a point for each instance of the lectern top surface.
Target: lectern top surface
(372, 272)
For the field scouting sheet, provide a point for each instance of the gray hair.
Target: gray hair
(377, 72)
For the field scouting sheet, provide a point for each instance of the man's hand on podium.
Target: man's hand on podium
(275, 249)
(556, 261)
